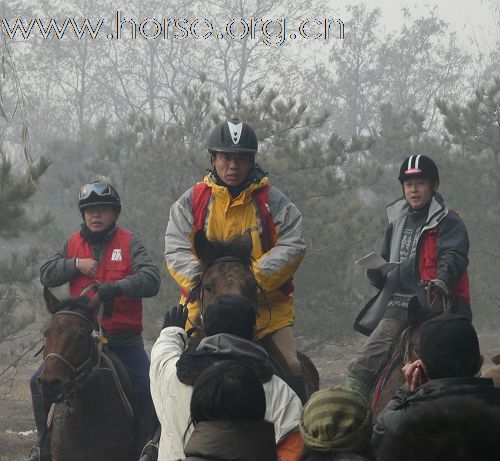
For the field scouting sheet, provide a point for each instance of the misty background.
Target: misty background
(335, 119)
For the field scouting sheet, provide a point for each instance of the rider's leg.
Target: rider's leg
(281, 345)
(146, 421)
(41, 409)
(374, 355)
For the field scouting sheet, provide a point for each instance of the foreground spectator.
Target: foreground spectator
(336, 425)
(229, 325)
(447, 429)
(227, 410)
(448, 365)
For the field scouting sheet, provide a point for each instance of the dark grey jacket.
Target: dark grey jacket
(232, 441)
(405, 401)
(144, 283)
(453, 249)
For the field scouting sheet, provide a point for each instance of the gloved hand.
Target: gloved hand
(439, 287)
(375, 277)
(108, 292)
(175, 316)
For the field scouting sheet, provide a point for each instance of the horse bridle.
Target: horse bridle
(83, 371)
(79, 372)
(199, 287)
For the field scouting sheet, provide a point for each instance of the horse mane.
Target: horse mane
(237, 247)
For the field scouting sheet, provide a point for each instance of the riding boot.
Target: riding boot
(300, 387)
(41, 410)
(145, 425)
(356, 384)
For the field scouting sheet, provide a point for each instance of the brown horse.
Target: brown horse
(89, 419)
(227, 271)
(391, 377)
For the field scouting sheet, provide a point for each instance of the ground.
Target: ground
(17, 427)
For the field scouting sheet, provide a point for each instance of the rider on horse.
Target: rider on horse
(431, 244)
(114, 258)
(233, 197)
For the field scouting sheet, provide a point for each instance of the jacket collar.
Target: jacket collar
(455, 386)
(225, 344)
(221, 347)
(400, 208)
(222, 194)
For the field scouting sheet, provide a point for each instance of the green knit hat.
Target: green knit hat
(336, 419)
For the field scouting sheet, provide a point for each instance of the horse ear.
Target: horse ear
(201, 245)
(94, 302)
(51, 302)
(246, 238)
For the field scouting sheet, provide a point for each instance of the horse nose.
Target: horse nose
(50, 388)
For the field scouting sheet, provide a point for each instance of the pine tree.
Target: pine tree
(473, 134)
(17, 271)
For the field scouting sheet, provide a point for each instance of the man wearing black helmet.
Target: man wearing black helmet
(234, 197)
(114, 258)
(431, 244)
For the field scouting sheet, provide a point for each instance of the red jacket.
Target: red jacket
(115, 265)
(428, 266)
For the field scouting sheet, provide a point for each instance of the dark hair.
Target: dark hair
(310, 455)
(449, 347)
(450, 428)
(231, 314)
(228, 391)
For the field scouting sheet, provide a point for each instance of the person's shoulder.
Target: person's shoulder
(188, 193)
(276, 386)
(452, 221)
(453, 216)
(124, 231)
(73, 235)
(277, 200)
(74, 238)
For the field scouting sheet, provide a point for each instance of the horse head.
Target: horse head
(226, 268)
(70, 347)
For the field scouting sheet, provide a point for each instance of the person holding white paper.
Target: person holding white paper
(431, 244)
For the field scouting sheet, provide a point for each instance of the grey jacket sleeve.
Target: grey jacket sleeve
(453, 249)
(277, 265)
(182, 263)
(145, 281)
(57, 269)
(374, 277)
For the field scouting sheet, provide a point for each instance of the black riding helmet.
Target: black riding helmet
(98, 193)
(418, 166)
(233, 137)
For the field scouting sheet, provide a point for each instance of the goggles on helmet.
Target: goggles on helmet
(101, 189)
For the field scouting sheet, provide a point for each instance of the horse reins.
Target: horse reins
(447, 306)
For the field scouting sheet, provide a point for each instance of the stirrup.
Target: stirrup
(150, 451)
(35, 456)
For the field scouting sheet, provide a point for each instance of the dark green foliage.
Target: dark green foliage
(473, 137)
(15, 191)
(18, 270)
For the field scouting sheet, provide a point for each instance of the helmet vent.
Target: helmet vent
(235, 131)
